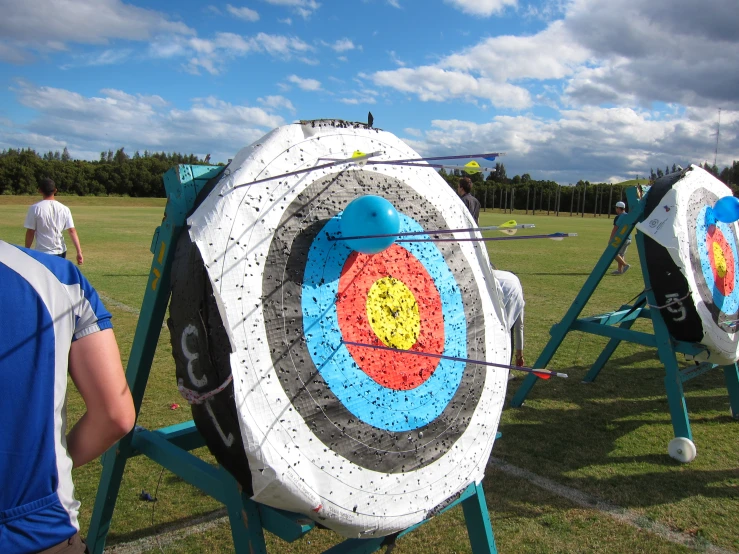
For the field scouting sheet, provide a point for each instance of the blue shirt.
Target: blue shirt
(45, 304)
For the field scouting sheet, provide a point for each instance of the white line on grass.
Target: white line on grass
(108, 301)
(176, 532)
(622, 515)
(171, 533)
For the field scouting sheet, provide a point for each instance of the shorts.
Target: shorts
(624, 247)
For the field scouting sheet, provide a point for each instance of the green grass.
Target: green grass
(608, 439)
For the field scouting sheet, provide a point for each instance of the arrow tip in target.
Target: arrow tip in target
(370, 215)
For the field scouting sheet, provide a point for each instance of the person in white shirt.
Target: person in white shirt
(47, 220)
(513, 304)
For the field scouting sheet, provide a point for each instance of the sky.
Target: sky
(599, 90)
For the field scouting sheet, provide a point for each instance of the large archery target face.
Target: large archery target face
(705, 251)
(713, 251)
(366, 441)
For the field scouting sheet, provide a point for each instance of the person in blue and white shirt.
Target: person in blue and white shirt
(53, 324)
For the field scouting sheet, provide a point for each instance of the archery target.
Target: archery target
(693, 263)
(365, 440)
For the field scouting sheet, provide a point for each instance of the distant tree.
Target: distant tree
(500, 174)
(667, 170)
(120, 156)
(659, 173)
(674, 168)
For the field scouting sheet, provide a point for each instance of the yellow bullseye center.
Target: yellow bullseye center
(393, 313)
(719, 260)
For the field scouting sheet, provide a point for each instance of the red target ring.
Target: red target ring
(393, 271)
(722, 260)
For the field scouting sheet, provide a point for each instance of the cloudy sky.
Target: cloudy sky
(601, 90)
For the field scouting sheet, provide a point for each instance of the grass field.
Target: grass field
(607, 440)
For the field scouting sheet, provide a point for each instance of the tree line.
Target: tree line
(140, 175)
(522, 193)
(115, 173)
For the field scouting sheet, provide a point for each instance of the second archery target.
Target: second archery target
(371, 437)
(693, 262)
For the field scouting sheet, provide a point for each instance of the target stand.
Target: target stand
(617, 325)
(170, 447)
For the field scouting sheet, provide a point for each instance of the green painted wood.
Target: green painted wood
(169, 446)
(560, 330)
(617, 326)
(181, 192)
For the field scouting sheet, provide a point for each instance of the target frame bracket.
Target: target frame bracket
(170, 446)
(616, 325)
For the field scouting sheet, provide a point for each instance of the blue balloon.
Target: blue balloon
(726, 209)
(370, 215)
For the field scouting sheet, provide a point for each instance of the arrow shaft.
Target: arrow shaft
(554, 236)
(437, 232)
(461, 157)
(456, 359)
(404, 163)
(309, 169)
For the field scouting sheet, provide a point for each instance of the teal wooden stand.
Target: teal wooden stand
(170, 447)
(617, 326)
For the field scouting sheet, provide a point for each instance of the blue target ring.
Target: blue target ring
(375, 405)
(727, 304)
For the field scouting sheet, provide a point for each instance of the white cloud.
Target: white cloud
(243, 13)
(432, 83)
(395, 59)
(138, 122)
(276, 103)
(81, 22)
(342, 45)
(106, 57)
(304, 8)
(592, 143)
(394, 3)
(213, 54)
(305, 84)
(485, 8)
(359, 99)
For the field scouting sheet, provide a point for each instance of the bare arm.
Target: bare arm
(95, 367)
(76, 242)
(30, 233)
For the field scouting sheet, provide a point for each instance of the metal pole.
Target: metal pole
(610, 203)
(572, 200)
(584, 197)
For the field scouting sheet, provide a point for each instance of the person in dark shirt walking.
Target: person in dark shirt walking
(472, 203)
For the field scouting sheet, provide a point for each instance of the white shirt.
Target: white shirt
(513, 303)
(49, 219)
